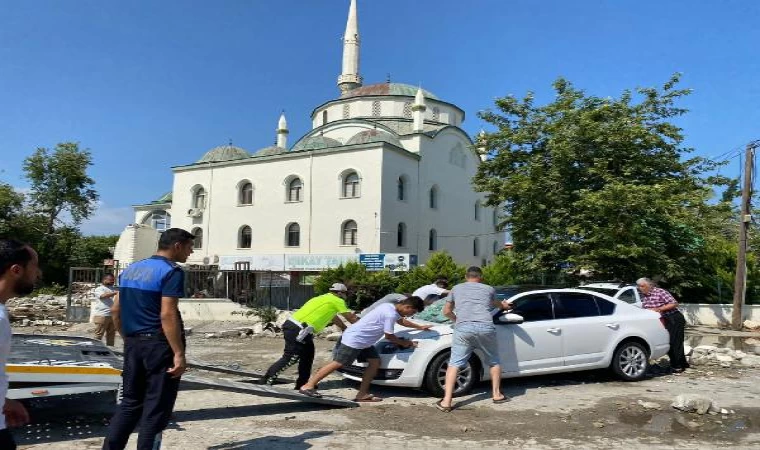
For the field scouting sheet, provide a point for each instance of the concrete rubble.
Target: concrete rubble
(705, 355)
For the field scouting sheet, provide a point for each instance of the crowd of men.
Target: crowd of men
(145, 312)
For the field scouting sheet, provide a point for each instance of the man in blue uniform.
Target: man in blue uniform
(147, 315)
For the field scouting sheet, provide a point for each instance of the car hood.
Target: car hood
(437, 331)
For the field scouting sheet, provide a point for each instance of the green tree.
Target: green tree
(10, 205)
(602, 183)
(439, 264)
(60, 184)
(90, 251)
(506, 268)
(364, 287)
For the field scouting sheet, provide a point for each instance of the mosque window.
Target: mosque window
(351, 185)
(401, 195)
(158, 219)
(346, 111)
(401, 235)
(408, 110)
(436, 114)
(475, 247)
(245, 237)
(199, 198)
(293, 235)
(477, 210)
(198, 240)
(349, 233)
(246, 193)
(433, 240)
(434, 197)
(376, 108)
(295, 186)
(324, 117)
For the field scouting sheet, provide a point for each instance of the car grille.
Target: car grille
(382, 374)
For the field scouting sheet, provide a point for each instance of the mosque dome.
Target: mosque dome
(374, 135)
(315, 143)
(269, 151)
(401, 89)
(224, 153)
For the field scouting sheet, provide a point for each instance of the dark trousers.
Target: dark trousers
(6, 440)
(675, 323)
(149, 393)
(295, 352)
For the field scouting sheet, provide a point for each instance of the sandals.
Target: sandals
(440, 407)
(504, 399)
(310, 393)
(368, 399)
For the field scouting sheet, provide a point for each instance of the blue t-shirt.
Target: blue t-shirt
(141, 287)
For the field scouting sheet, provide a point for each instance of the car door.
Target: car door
(535, 344)
(587, 332)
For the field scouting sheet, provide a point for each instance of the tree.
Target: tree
(506, 268)
(59, 184)
(90, 251)
(364, 287)
(439, 264)
(600, 183)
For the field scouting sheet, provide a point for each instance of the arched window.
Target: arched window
(495, 247)
(376, 108)
(434, 197)
(246, 193)
(401, 183)
(198, 241)
(158, 219)
(295, 186)
(199, 198)
(351, 188)
(324, 117)
(475, 247)
(349, 233)
(293, 235)
(477, 210)
(245, 237)
(436, 113)
(401, 235)
(496, 219)
(433, 240)
(346, 111)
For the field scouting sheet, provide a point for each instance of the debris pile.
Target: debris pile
(725, 357)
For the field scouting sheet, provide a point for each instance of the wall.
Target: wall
(390, 106)
(706, 314)
(136, 242)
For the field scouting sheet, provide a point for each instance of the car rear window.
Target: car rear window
(570, 305)
(606, 308)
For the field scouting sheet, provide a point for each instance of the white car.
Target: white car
(547, 331)
(621, 291)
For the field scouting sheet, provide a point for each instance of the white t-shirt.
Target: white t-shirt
(370, 328)
(102, 306)
(430, 289)
(5, 350)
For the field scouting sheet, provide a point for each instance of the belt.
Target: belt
(153, 334)
(297, 323)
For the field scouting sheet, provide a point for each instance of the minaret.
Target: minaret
(418, 112)
(282, 132)
(350, 78)
(482, 145)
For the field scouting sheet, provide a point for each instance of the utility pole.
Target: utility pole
(740, 282)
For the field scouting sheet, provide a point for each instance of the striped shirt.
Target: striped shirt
(658, 297)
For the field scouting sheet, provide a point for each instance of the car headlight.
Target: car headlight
(387, 348)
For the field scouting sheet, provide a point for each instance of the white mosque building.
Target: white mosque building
(385, 169)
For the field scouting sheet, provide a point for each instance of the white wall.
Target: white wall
(136, 242)
(322, 205)
(390, 106)
(707, 314)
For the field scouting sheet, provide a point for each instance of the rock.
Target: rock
(188, 331)
(210, 336)
(228, 333)
(752, 341)
(724, 358)
(725, 411)
(700, 360)
(739, 354)
(722, 350)
(334, 336)
(649, 405)
(692, 403)
(751, 324)
(751, 361)
(599, 424)
(707, 349)
(26, 323)
(687, 350)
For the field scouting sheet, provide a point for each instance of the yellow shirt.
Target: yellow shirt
(319, 311)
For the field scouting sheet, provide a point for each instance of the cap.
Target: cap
(339, 287)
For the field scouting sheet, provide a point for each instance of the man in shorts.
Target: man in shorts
(358, 342)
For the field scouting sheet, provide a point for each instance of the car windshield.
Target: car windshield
(607, 291)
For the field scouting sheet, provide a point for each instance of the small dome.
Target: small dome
(269, 151)
(401, 89)
(374, 135)
(224, 153)
(315, 143)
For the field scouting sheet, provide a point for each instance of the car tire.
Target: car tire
(468, 377)
(630, 362)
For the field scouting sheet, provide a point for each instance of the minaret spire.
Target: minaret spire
(349, 77)
(282, 132)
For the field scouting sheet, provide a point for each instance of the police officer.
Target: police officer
(147, 315)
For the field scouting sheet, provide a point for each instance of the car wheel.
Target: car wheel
(630, 361)
(435, 376)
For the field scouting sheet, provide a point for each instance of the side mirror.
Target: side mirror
(511, 318)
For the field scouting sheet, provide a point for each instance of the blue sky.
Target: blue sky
(148, 85)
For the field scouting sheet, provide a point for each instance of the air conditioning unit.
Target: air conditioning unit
(206, 260)
(216, 259)
(195, 212)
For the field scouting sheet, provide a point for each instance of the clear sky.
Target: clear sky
(147, 85)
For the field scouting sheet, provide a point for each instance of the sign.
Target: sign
(395, 262)
(275, 280)
(266, 263)
(315, 263)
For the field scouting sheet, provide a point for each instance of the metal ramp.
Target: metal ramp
(46, 366)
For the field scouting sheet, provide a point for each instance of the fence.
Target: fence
(282, 290)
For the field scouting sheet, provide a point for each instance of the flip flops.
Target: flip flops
(368, 399)
(310, 393)
(504, 399)
(440, 407)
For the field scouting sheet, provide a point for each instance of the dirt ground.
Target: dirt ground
(581, 410)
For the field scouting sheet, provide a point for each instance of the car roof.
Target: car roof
(575, 290)
(607, 285)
